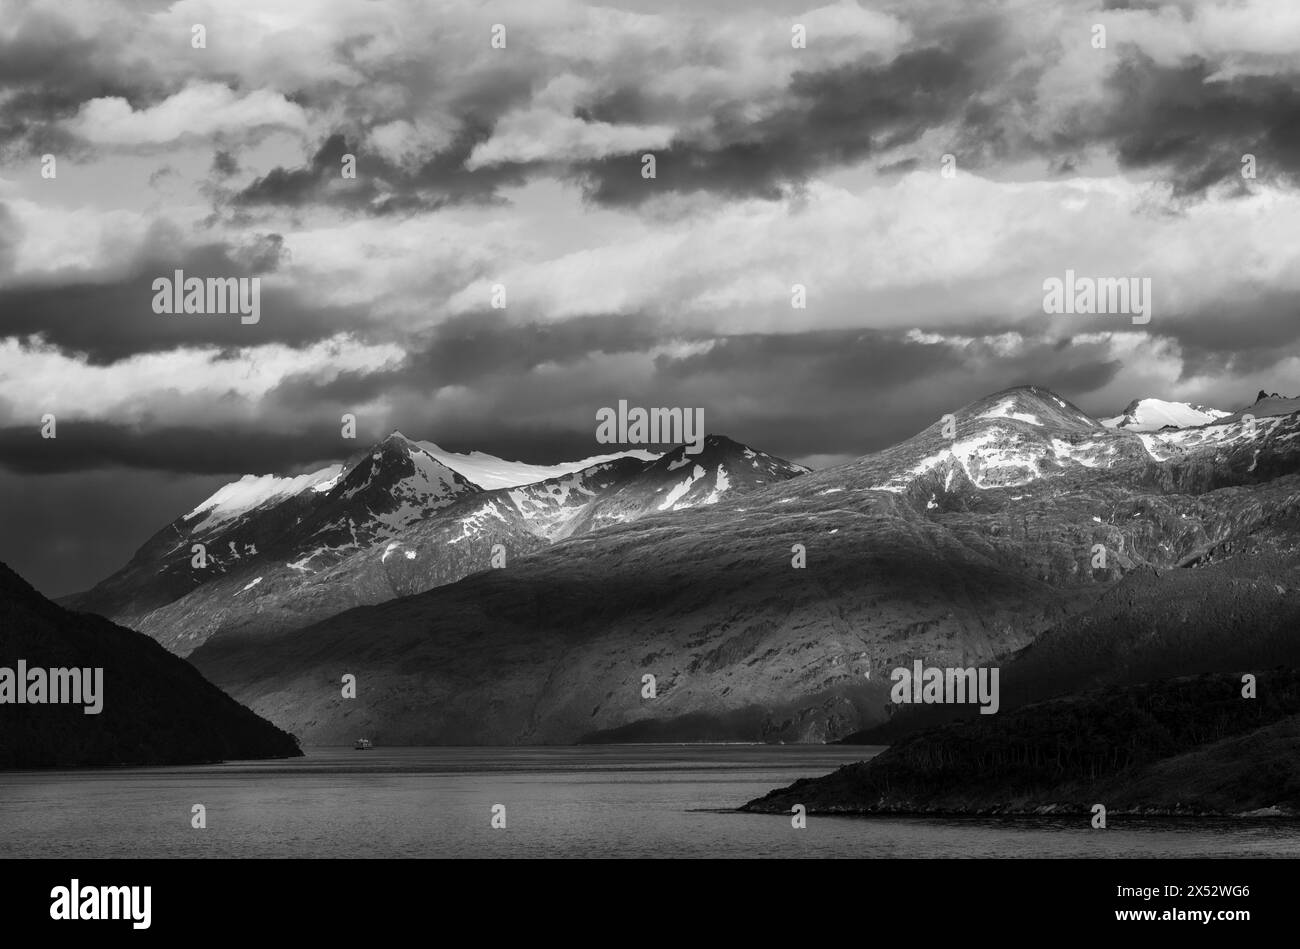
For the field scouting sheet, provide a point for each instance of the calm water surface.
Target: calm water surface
(610, 800)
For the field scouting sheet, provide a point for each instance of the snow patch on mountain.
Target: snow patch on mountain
(1000, 458)
(1155, 447)
(473, 524)
(1092, 454)
(252, 491)
(395, 546)
(1217, 435)
(679, 491)
(720, 485)
(963, 451)
(303, 565)
(1151, 415)
(490, 472)
(1004, 410)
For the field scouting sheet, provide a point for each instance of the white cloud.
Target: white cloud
(901, 253)
(409, 144)
(552, 134)
(186, 386)
(201, 109)
(54, 241)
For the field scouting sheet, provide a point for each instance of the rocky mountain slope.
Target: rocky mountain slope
(1235, 607)
(156, 709)
(960, 546)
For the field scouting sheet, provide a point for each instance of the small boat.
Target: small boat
(362, 744)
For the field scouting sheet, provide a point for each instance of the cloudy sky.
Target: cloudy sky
(522, 166)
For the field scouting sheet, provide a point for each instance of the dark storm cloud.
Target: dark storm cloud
(307, 391)
(297, 185)
(900, 167)
(836, 357)
(112, 319)
(224, 164)
(99, 445)
(37, 51)
(446, 176)
(475, 349)
(854, 391)
(380, 187)
(1174, 119)
(26, 126)
(58, 532)
(9, 238)
(480, 344)
(1238, 337)
(829, 118)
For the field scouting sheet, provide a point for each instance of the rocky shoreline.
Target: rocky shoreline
(775, 804)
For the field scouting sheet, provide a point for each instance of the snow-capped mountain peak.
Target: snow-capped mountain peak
(401, 470)
(1152, 415)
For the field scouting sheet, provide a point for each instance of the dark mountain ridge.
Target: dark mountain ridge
(156, 708)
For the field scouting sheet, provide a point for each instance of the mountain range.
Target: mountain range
(402, 517)
(766, 601)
